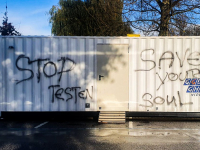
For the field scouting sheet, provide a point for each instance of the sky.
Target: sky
(29, 17)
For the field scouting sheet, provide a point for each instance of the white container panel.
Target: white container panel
(74, 56)
(163, 82)
(153, 85)
(133, 76)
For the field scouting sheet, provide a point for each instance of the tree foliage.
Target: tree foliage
(192, 30)
(167, 17)
(7, 28)
(88, 18)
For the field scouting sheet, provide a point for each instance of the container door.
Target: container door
(112, 77)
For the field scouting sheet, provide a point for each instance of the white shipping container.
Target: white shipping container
(99, 73)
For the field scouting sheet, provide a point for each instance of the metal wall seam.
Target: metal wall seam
(9, 68)
(194, 98)
(91, 76)
(197, 48)
(183, 48)
(95, 76)
(1, 75)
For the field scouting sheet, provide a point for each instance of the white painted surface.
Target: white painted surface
(142, 82)
(33, 96)
(113, 87)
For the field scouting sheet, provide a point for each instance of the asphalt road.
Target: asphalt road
(89, 135)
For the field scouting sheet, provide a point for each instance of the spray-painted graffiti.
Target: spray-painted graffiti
(57, 92)
(191, 56)
(161, 100)
(175, 76)
(192, 60)
(63, 61)
(77, 92)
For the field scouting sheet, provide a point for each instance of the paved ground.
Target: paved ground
(89, 135)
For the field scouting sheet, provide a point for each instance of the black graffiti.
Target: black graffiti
(173, 100)
(71, 93)
(175, 77)
(170, 58)
(38, 66)
(39, 61)
(55, 69)
(87, 93)
(162, 81)
(75, 92)
(70, 89)
(193, 74)
(190, 57)
(181, 63)
(151, 104)
(162, 100)
(154, 63)
(186, 75)
(29, 62)
(59, 93)
(53, 86)
(23, 69)
(64, 59)
(158, 97)
(81, 94)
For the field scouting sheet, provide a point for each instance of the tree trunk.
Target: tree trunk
(164, 27)
(165, 17)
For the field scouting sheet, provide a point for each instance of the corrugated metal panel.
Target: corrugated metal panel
(74, 55)
(147, 92)
(79, 54)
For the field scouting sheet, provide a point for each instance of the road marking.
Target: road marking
(130, 124)
(41, 125)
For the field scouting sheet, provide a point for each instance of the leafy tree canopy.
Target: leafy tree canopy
(88, 18)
